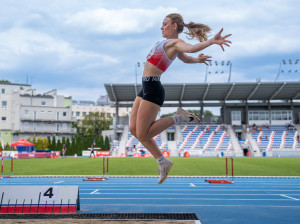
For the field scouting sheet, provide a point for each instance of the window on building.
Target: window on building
(258, 115)
(171, 136)
(42, 111)
(236, 115)
(26, 113)
(4, 104)
(77, 113)
(43, 103)
(57, 127)
(2, 91)
(3, 118)
(64, 126)
(108, 114)
(26, 124)
(281, 115)
(290, 117)
(83, 113)
(64, 114)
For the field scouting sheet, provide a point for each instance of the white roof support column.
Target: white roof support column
(278, 91)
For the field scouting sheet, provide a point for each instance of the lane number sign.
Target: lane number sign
(49, 193)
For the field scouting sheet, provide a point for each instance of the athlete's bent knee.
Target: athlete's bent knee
(132, 131)
(143, 137)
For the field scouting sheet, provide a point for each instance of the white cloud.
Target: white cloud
(83, 93)
(110, 21)
(78, 46)
(17, 45)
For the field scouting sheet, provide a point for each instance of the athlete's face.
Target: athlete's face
(168, 29)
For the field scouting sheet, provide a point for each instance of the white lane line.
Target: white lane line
(289, 197)
(142, 193)
(198, 205)
(192, 185)
(181, 189)
(193, 199)
(95, 191)
(58, 182)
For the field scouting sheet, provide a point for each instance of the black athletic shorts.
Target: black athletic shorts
(152, 90)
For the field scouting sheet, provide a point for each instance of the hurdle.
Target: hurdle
(11, 167)
(228, 180)
(105, 160)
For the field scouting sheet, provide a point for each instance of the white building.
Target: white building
(82, 108)
(24, 113)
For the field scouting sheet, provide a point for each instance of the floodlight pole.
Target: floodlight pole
(136, 71)
(217, 63)
(205, 80)
(229, 76)
(284, 63)
(277, 77)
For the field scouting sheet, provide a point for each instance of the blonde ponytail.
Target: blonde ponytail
(195, 30)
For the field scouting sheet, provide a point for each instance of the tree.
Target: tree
(45, 143)
(5, 81)
(106, 144)
(68, 146)
(49, 142)
(101, 143)
(208, 113)
(39, 144)
(167, 115)
(63, 140)
(58, 145)
(73, 147)
(93, 124)
(7, 147)
(196, 112)
(53, 143)
(78, 147)
(42, 144)
(34, 139)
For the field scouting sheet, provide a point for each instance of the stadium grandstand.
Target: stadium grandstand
(256, 119)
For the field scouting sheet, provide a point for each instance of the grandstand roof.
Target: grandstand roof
(263, 91)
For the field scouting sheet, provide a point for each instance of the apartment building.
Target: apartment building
(24, 113)
(80, 108)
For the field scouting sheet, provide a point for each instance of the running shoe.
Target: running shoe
(187, 117)
(163, 171)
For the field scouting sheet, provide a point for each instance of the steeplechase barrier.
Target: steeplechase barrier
(105, 165)
(11, 167)
(228, 180)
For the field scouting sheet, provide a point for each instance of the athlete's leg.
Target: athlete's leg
(147, 127)
(133, 115)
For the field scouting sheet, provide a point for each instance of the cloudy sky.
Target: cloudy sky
(76, 46)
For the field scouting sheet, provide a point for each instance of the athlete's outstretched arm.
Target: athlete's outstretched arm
(184, 47)
(189, 59)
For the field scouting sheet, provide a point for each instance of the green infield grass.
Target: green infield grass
(192, 166)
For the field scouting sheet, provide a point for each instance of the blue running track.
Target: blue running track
(247, 201)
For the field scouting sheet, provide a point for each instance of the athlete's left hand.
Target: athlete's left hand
(218, 39)
(203, 58)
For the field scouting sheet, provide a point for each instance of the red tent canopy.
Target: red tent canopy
(22, 142)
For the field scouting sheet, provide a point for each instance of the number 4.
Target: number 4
(49, 193)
